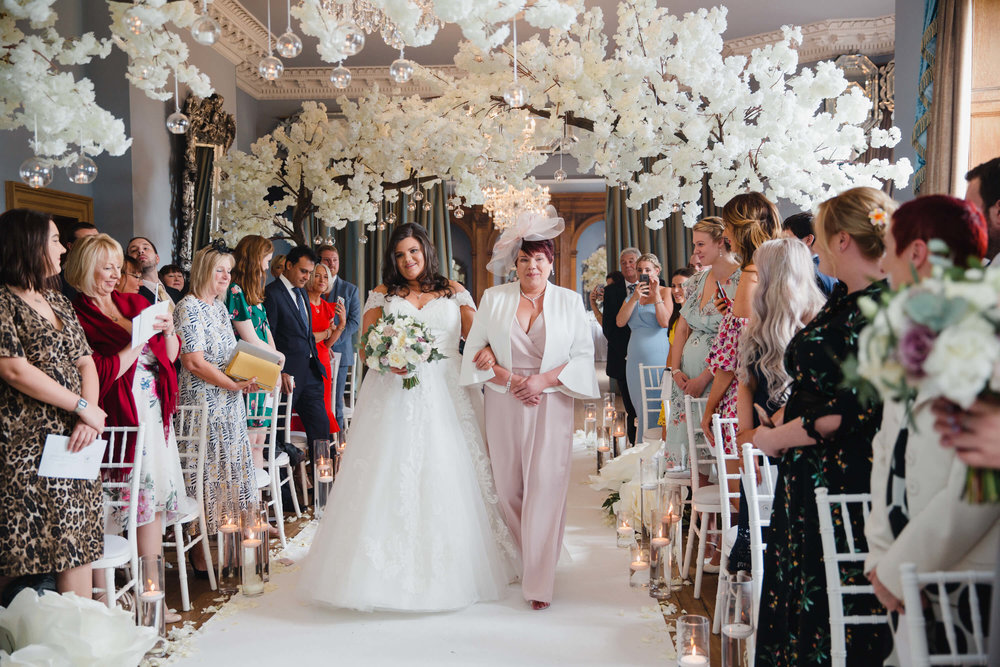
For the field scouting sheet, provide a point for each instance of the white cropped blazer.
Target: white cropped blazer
(567, 339)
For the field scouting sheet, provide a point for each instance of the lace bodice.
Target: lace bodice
(442, 315)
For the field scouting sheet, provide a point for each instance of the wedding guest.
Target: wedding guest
(531, 345)
(172, 276)
(647, 314)
(73, 233)
(917, 512)
(244, 302)
(277, 265)
(800, 226)
(824, 439)
(142, 249)
(677, 280)
(326, 330)
(130, 279)
(614, 297)
(695, 264)
(207, 343)
(50, 386)
(291, 323)
(341, 289)
(750, 220)
(597, 294)
(138, 385)
(785, 300)
(983, 191)
(697, 327)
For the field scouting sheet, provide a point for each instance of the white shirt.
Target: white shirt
(291, 290)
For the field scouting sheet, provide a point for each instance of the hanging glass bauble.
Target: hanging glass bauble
(391, 218)
(317, 240)
(141, 70)
(363, 239)
(459, 213)
(411, 205)
(381, 225)
(560, 175)
(516, 96)
(353, 39)
(623, 186)
(427, 206)
(288, 45)
(177, 123)
(81, 170)
(328, 240)
(205, 30)
(480, 163)
(401, 70)
(418, 195)
(392, 37)
(340, 77)
(36, 172)
(270, 68)
(133, 21)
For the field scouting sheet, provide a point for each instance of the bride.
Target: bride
(412, 523)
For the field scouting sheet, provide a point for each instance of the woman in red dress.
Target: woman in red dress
(325, 330)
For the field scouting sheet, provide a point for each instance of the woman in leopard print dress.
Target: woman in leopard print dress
(48, 385)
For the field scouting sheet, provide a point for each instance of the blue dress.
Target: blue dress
(649, 345)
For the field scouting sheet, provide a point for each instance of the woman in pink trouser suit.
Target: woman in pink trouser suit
(531, 345)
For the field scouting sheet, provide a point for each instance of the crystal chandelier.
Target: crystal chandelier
(505, 204)
(371, 19)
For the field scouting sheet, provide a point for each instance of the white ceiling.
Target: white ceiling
(746, 17)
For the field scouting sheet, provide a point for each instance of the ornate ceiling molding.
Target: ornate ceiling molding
(825, 40)
(244, 43)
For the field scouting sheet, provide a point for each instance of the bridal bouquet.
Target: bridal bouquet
(401, 342)
(939, 338)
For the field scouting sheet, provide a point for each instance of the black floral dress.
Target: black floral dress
(794, 625)
(47, 524)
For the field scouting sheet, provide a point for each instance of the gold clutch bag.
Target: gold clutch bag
(249, 361)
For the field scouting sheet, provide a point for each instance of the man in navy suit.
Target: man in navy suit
(290, 318)
(345, 344)
(618, 337)
(800, 226)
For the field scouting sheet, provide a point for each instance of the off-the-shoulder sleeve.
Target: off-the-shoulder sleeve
(189, 328)
(10, 340)
(465, 299)
(725, 351)
(375, 300)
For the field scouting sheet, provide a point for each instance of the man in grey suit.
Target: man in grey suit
(341, 289)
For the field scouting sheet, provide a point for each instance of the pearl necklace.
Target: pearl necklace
(533, 299)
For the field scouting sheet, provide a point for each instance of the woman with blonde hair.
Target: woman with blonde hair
(207, 343)
(750, 219)
(698, 326)
(647, 314)
(824, 438)
(138, 384)
(786, 299)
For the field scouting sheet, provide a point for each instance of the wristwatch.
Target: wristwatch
(81, 405)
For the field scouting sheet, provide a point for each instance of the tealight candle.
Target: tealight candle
(693, 660)
(658, 542)
(639, 565)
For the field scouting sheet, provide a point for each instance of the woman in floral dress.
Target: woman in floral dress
(207, 343)
(825, 439)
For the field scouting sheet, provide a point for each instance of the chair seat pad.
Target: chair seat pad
(706, 499)
(263, 478)
(116, 553)
(281, 459)
(729, 538)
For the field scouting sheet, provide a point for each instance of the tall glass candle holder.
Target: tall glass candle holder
(621, 442)
(624, 529)
(339, 447)
(152, 599)
(590, 432)
(323, 473)
(228, 514)
(603, 452)
(590, 410)
(692, 641)
(264, 528)
(638, 569)
(608, 400)
(660, 569)
(253, 552)
(737, 620)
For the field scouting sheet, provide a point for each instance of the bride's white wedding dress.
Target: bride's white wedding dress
(412, 522)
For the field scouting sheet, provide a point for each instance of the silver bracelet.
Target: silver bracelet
(506, 388)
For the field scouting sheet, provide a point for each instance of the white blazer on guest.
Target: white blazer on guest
(567, 339)
(943, 532)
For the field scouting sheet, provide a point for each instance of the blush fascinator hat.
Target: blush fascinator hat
(530, 226)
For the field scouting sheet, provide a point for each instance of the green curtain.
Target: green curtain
(626, 227)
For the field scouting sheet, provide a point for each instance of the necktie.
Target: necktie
(302, 308)
(161, 295)
(631, 288)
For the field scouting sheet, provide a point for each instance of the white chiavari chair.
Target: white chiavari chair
(298, 440)
(834, 558)
(962, 649)
(269, 480)
(651, 377)
(121, 495)
(704, 499)
(760, 501)
(191, 432)
(724, 430)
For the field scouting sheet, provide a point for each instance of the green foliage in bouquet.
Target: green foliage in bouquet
(399, 342)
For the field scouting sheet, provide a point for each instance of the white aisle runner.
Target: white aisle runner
(594, 619)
